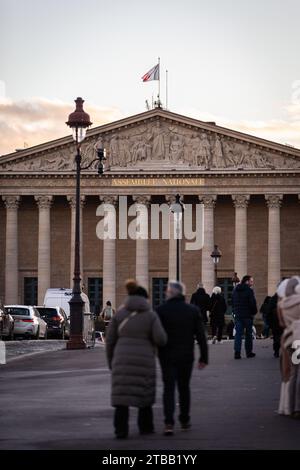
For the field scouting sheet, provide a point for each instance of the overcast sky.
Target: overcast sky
(234, 61)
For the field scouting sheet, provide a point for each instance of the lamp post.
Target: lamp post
(216, 256)
(177, 208)
(79, 121)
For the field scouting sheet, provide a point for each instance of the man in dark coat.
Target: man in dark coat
(273, 321)
(201, 299)
(244, 309)
(183, 324)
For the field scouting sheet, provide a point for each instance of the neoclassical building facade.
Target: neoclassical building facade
(249, 188)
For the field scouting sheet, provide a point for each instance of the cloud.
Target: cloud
(283, 131)
(34, 121)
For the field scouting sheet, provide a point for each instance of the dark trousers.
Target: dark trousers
(276, 340)
(145, 420)
(241, 325)
(217, 329)
(176, 374)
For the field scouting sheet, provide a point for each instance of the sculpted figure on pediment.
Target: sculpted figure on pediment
(176, 148)
(217, 160)
(158, 146)
(205, 151)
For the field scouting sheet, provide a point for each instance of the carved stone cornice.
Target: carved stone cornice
(72, 201)
(209, 201)
(44, 202)
(11, 202)
(241, 200)
(274, 201)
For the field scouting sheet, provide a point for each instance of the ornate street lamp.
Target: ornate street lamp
(177, 208)
(79, 121)
(216, 256)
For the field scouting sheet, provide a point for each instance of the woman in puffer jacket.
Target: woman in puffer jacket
(134, 333)
(289, 314)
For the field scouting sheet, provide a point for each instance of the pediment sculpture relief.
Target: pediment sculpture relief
(160, 145)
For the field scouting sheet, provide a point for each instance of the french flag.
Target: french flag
(153, 74)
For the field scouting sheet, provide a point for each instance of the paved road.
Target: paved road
(60, 400)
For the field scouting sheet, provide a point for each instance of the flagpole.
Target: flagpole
(158, 96)
(166, 89)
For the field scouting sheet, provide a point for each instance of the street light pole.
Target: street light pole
(177, 209)
(216, 256)
(79, 121)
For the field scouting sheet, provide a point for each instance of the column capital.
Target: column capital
(240, 200)
(11, 202)
(209, 201)
(171, 198)
(43, 202)
(72, 201)
(112, 200)
(142, 199)
(274, 200)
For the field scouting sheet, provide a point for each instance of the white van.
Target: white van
(61, 298)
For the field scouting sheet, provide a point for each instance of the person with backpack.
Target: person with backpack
(106, 315)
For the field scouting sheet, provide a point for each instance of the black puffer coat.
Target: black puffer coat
(201, 299)
(217, 308)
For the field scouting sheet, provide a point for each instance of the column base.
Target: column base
(76, 342)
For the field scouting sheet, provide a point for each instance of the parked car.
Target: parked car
(57, 321)
(6, 325)
(28, 321)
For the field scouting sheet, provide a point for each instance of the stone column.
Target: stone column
(274, 261)
(172, 241)
(208, 268)
(142, 243)
(240, 202)
(11, 251)
(44, 248)
(72, 202)
(109, 255)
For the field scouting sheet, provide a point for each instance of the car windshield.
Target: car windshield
(47, 312)
(25, 312)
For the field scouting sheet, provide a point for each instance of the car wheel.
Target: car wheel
(46, 334)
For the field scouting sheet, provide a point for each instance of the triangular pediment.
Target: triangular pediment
(158, 141)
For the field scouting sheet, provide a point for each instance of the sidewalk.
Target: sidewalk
(20, 348)
(60, 400)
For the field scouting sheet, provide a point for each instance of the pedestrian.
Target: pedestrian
(201, 299)
(264, 311)
(244, 309)
(183, 324)
(106, 315)
(289, 307)
(217, 309)
(273, 322)
(133, 334)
